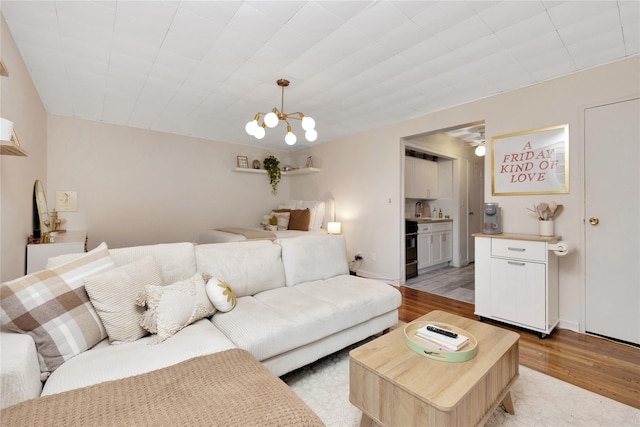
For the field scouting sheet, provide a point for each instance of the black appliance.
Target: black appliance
(411, 247)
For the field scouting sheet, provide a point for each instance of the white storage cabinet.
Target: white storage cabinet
(66, 243)
(516, 281)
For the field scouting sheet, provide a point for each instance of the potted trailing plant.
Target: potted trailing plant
(272, 166)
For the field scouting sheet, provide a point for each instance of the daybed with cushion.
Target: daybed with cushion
(295, 303)
(293, 218)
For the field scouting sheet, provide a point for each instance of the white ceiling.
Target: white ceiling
(205, 68)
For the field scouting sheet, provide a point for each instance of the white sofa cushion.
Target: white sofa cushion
(274, 322)
(176, 260)
(19, 369)
(107, 362)
(308, 258)
(114, 293)
(248, 267)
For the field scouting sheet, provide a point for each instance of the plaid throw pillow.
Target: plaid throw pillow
(53, 307)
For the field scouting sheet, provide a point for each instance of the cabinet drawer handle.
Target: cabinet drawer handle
(517, 249)
(519, 264)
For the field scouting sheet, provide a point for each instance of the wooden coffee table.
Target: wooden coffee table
(395, 386)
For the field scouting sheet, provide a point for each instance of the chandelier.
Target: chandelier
(273, 118)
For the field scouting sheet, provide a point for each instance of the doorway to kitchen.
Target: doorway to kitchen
(457, 153)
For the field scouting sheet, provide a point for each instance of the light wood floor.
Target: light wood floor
(601, 366)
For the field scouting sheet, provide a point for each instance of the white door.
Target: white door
(612, 215)
(475, 200)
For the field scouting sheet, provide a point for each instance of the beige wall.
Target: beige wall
(364, 171)
(20, 103)
(140, 187)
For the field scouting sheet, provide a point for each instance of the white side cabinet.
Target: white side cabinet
(66, 243)
(516, 281)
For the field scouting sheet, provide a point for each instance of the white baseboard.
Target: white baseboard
(572, 326)
(369, 275)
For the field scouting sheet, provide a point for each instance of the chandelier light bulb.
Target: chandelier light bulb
(308, 123)
(251, 127)
(271, 119)
(480, 150)
(290, 138)
(311, 135)
(259, 133)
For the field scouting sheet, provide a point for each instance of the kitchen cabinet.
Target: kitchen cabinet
(66, 243)
(424, 250)
(441, 249)
(516, 281)
(420, 178)
(434, 244)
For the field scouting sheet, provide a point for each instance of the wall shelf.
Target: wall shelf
(302, 171)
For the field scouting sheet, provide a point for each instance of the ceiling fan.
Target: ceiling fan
(479, 141)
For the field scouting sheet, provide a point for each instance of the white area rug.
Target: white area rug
(539, 399)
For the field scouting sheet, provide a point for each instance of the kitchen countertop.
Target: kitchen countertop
(427, 220)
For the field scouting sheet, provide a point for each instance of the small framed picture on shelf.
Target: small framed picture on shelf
(309, 162)
(256, 164)
(243, 162)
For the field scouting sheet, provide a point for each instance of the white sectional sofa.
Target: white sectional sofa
(296, 302)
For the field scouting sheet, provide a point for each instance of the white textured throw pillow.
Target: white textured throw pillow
(171, 308)
(114, 292)
(221, 295)
(283, 219)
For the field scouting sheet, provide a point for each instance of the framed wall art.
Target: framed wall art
(243, 162)
(531, 162)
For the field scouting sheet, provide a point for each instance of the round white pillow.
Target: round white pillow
(221, 295)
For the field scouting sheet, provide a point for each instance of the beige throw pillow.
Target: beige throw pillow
(114, 293)
(299, 219)
(171, 308)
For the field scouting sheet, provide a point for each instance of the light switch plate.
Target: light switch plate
(66, 201)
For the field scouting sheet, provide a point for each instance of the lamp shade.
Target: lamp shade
(251, 127)
(311, 135)
(308, 123)
(480, 150)
(271, 120)
(334, 227)
(259, 133)
(290, 138)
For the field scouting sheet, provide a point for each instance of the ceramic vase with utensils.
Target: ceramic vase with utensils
(545, 227)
